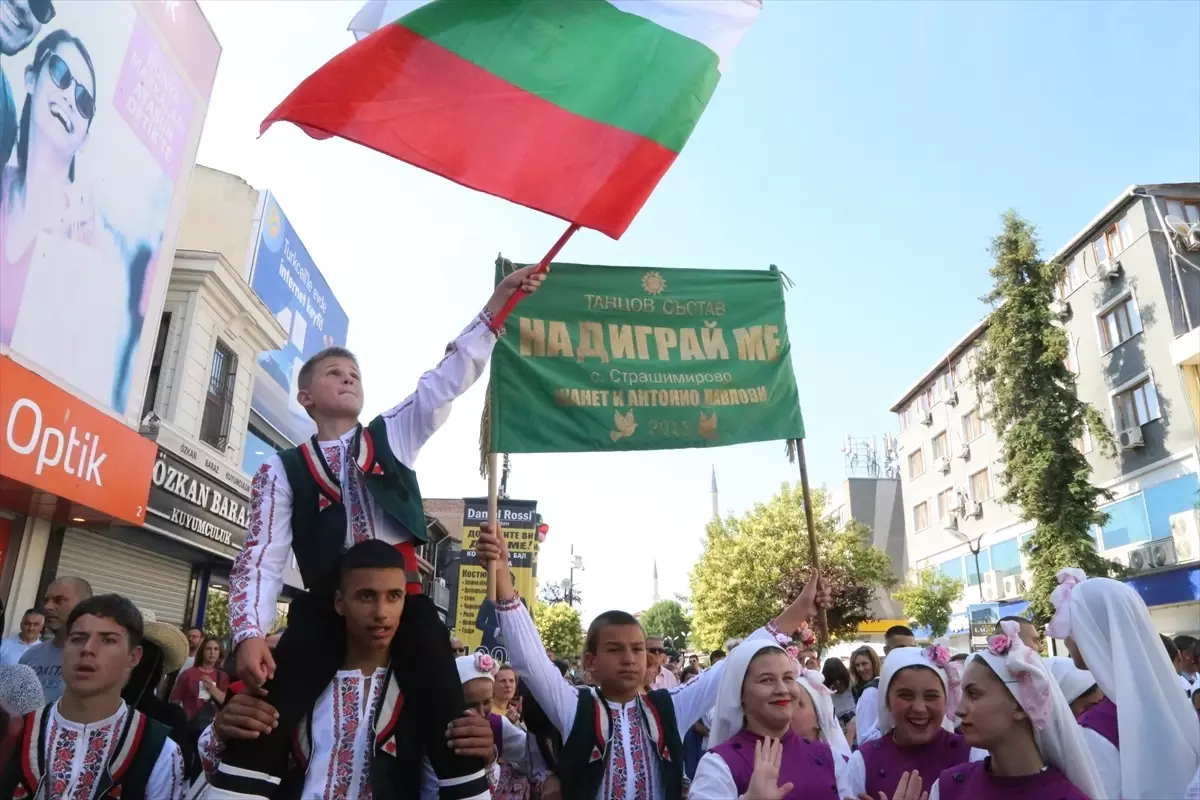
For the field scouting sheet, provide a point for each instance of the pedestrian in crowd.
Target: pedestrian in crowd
(864, 688)
(195, 638)
(837, 678)
(382, 754)
(637, 737)
(30, 633)
(1143, 739)
(658, 676)
(203, 685)
(715, 656)
(913, 732)
(509, 770)
(898, 636)
(814, 717)
(62, 595)
(1012, 707)
(1189, 663)
(1030, 635)
(90, 738)
(457, 646)
(505, 689)
(688, 673)
(1077, 685)
(755, 706)
(347, 484)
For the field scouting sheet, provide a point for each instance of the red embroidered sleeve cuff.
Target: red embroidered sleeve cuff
(511, 604)
(248, 633)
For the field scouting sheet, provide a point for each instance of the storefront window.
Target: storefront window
(1126, 523)
(952, 568)
(1006, 558)
(1167, 499)
(985, 564)
(256, 451)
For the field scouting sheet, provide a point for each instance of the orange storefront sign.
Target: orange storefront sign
(60, 444)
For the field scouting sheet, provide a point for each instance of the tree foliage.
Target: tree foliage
(752, 566)
(216, 616)
(928, 600)
(667, 618)
(1032, 403)
(560, 628)
(552, 592)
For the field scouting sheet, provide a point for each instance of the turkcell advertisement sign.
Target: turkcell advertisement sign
(101, 106)
(287, 280)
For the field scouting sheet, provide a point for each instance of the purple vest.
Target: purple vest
(886, 761)
(807, 765)
(973, 782)
(497, 733)
(1102, 718)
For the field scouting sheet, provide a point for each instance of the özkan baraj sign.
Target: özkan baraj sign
(193, 506)
(289, 283)
(626, 358)
(100, 114)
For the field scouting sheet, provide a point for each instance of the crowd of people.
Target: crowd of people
(365, 694)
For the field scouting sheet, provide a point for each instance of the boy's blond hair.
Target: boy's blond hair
(304, 380)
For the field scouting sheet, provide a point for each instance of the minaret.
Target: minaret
(716, 513)
(656, 580)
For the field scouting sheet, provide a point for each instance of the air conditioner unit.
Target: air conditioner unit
(1130, 438)
(944, 465)
(1187, 233)
(1152, 556)
(989, 586)
(952, 523)
(1109, 269)
(1185, 533)
(928, 418)
(1060, 309)
(1012, 586)
(976, 510)
(952, 400)
(965, 455)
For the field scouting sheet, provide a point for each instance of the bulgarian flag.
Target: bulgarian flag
(576, 108)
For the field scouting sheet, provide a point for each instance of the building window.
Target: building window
(916, 464)
(1119, 323)
(933, 394)
(981, 486)
(985, 564)
(1071, 362)
(973, 426)
(947, 503)
(1135, 406)
(1189, 211)
(1127, 523)
(941, 446)
(921, 516)
(218, 400)
(1084, 443)
(156, 364)
(952, 568)
(1006, 558)
(904, 418)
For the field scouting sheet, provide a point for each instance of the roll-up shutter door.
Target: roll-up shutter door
(152, 581)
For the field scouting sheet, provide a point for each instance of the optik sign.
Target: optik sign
(287, 280)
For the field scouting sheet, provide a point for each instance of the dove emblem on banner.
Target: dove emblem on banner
(625, 425)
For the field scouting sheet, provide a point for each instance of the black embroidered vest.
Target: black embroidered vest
(588, 748)
(134, 755)
(319, 518)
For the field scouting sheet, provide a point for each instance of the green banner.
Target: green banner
(631, 358)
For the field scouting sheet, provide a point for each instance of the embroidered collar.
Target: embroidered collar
(605, 731)
(129, 733)
(360, 450)
(387, 714)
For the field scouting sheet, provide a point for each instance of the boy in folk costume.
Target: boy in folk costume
(617, 742)
(361, 738)
(89, 744)
(348, 484)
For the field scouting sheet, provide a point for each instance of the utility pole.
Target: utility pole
(576, 563)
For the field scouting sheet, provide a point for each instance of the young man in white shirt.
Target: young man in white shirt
(14, 647)
(89, 745)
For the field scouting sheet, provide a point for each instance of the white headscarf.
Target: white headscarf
(813, 682)
(728, 716)
(933, 657)
(1027, 678)
(1111, 627)
(479, 665)
(1073, 681)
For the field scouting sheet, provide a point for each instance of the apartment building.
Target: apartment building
(1130, 305)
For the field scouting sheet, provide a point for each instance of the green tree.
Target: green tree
(667, 618)
(1032, 404)
(559, 626)
(755, 564)
(216, 615)
(927, 601)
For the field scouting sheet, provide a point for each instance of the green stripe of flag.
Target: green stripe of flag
(585, 56)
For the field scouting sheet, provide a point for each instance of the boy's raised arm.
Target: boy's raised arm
(411, 423)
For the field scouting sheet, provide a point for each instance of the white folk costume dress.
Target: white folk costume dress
(256, 577)
(337, 745)
(1069, 770)
(635, 745)
(1144, 739)
(80, 762)
(894, 760)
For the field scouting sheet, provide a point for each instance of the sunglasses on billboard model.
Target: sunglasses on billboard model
(42, 10)
(60, 73)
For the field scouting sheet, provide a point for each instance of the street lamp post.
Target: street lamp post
(974, 548)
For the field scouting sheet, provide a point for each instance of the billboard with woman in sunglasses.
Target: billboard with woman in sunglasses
(103, 105)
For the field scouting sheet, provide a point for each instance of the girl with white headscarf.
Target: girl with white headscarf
(755, 705)
(915, 733)
(1078, 685)
(1012, 707)
(814, 717)
(1143, 739)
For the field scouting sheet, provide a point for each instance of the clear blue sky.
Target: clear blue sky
(865, 148)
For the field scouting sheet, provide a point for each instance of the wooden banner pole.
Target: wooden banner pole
(493, 516)
(823, 640)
